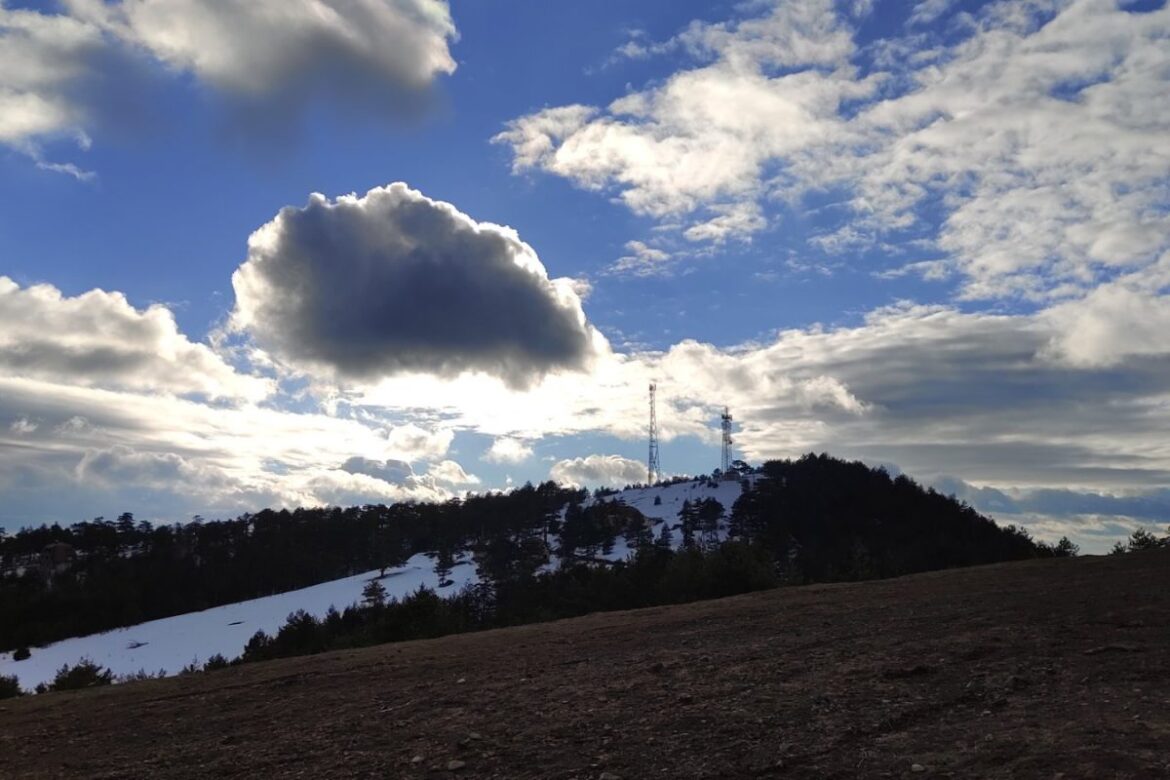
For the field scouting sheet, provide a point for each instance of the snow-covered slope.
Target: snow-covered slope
(673, 497)
(171, 643)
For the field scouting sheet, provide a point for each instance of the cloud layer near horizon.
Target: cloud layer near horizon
(1002, 401)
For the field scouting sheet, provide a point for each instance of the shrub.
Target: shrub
(216, 661)
(21, 654)
(86, 674)
(141, 674)
(9, 687)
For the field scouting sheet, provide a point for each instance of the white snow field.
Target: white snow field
(169, 644)
(673, 497)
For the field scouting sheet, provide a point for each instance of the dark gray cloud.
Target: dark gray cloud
(395, 282)
(396, 472)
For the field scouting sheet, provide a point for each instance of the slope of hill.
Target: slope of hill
(169, 644)
(1040, 669)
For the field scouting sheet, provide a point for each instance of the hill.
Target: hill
(534, 554)
(1043, 668)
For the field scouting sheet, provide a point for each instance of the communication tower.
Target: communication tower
(653, 470)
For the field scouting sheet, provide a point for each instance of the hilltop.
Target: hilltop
(1044, 668)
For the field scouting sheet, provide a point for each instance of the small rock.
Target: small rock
(917, 768)
(475, 736)
(454, 765)
(417, 760)
(608, 776)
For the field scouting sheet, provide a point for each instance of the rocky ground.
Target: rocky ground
(1045, 669)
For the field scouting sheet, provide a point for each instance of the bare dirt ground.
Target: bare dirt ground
(1046, 669)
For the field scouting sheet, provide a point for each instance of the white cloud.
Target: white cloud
(704, 139)
(173, 456)
(736, 220)
(1032, 147)
(272, 46)
(451, 474)
(412, 442)
(642, 260)
(1040, 140)
(928, 11)
(508, 450)
(598, 471)
(936, 390)
(999, 399)
(99, 339)
(69, 74)
(1116, 321)
(23, 425)
(394, 282)
(338, 487)
(45, 68)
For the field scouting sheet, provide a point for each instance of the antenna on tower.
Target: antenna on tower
(728, 453)
(653, 470)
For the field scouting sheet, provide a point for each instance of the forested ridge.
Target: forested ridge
(122, 572)
(815, 519)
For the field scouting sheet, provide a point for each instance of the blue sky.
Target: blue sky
(931, 235)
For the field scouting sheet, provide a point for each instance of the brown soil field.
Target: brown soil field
(1044, 669)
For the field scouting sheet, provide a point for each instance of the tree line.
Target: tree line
(110, 574)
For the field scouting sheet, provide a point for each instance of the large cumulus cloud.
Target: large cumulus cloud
(393, 282)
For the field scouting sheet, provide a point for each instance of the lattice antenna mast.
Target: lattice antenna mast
(653, 469)
(728, 452)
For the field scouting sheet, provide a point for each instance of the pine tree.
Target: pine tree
(374, 594)
(688, 522)
(708, 515)
(665, 540)
(86, 674)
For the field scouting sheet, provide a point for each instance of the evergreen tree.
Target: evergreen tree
(688, 522)
(707, 516)
(85, 674)
(665, 540)
(374, 594)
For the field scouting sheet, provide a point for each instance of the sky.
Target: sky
(300, 252)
